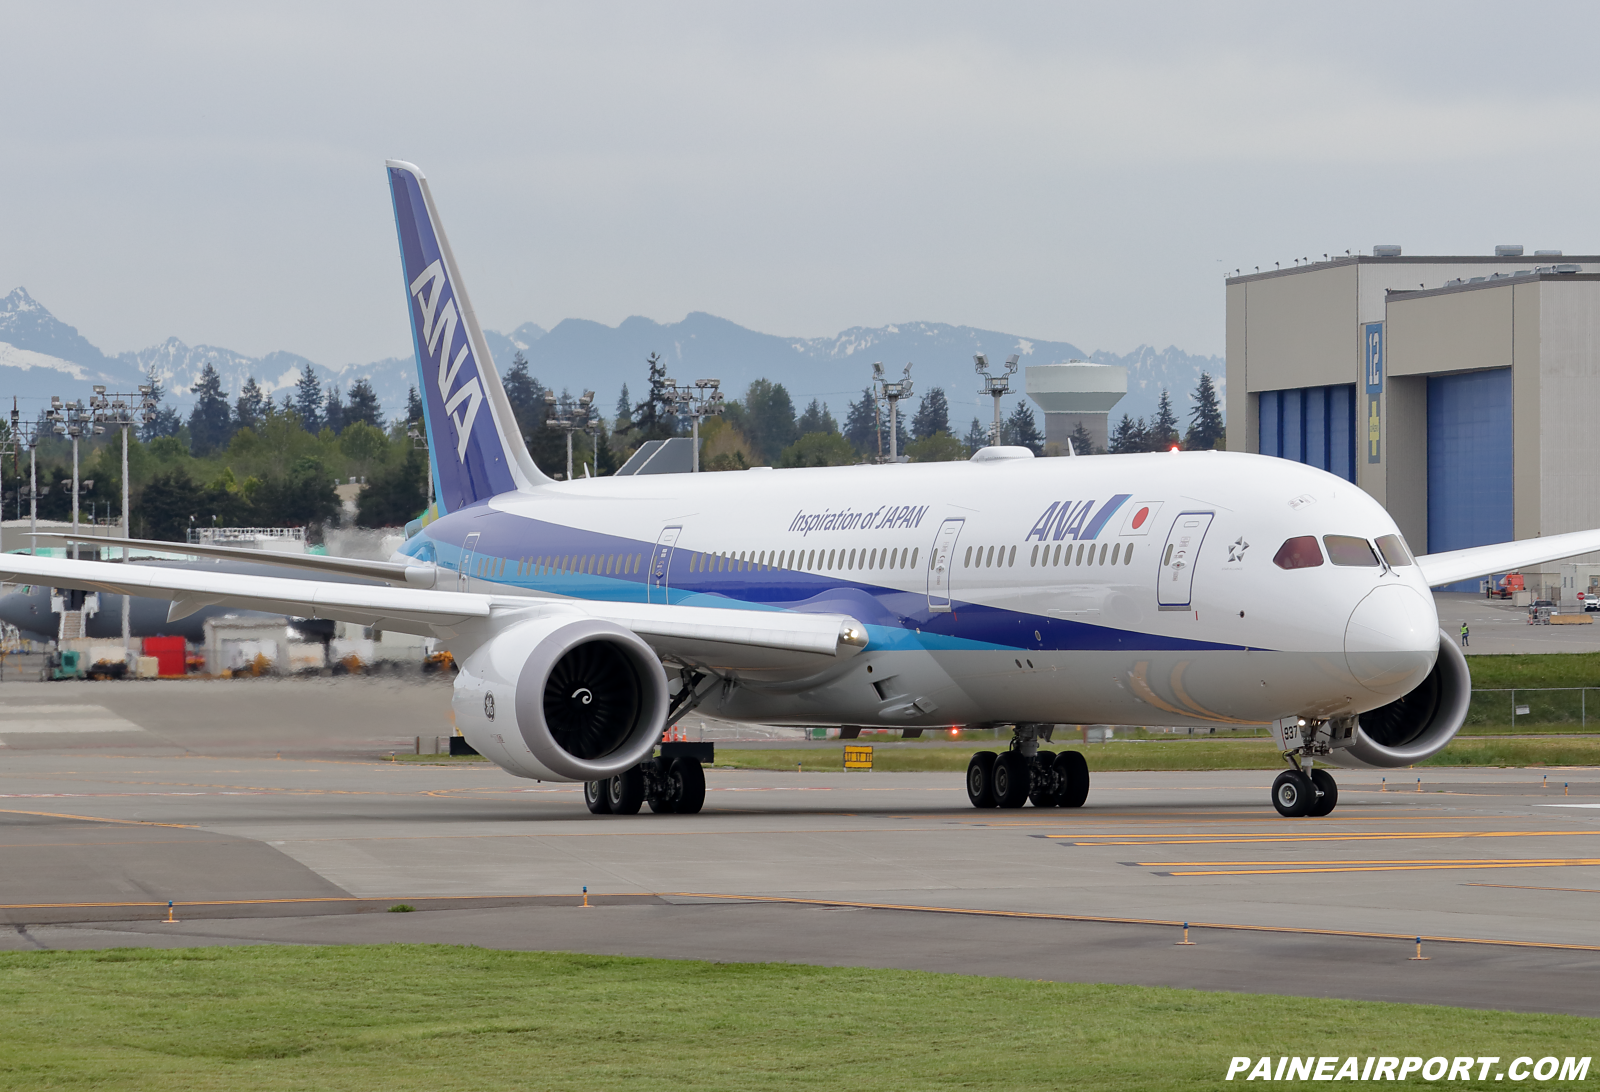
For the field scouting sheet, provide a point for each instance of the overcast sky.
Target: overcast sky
(1083, 172)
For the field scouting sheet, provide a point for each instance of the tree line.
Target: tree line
(253, 463)
(259, 462)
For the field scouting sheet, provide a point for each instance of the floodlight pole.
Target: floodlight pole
(33, 495)
(701, 399)
(996, 386)
(892, 393)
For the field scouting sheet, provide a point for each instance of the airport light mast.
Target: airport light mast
(73, 419)
(569, 417)
(996, 387)
(703, 398)
(120, 410)
(892, 391)
(28, 433)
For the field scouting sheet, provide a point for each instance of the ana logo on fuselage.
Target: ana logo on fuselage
(438, 336)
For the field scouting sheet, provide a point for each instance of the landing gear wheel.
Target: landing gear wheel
(1329, 799)
(1042, 786)
(1072, 775)
(690, 782)
(597, 795)
(625, 792)
(1292, 794)
(1010, 780)
(980, 779)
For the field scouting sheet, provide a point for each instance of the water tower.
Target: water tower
(1076, 393)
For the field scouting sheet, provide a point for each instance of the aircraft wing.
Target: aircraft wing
(705, 636)
(420, 575)
(1447, 568)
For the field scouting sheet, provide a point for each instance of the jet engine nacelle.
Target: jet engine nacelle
(1417, 725)
(563, 698)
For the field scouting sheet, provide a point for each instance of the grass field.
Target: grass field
(438, 1018)
(1177, 754)
(1544, 669)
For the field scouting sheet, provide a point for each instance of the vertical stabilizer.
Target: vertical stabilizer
(474, 446)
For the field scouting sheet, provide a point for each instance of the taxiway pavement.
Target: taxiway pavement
(267, 812)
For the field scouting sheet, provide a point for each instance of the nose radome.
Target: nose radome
(1392, 640)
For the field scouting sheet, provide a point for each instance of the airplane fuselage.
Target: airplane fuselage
(1126, 589)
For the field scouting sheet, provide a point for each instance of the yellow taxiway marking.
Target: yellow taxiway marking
(1524, 887)
(1350, 836)
(1128, 921)
(95, 819)
(1252, 868)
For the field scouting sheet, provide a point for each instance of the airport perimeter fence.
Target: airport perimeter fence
(1546, 709)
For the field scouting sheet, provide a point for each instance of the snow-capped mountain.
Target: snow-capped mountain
(41, 356)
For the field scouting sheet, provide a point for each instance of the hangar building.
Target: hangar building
(1458, 391)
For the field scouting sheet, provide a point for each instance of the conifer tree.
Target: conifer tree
(1205, 427)
(861, 425)
(1128, 436)
(977, 436)
(210, 423)
(1163, 430)
(308, 400)
(363, 405)
(251, 406)
(1022, 429)
(933, 414)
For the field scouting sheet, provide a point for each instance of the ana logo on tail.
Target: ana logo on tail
(439, 334)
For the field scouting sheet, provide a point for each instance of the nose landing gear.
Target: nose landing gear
(1301, 790)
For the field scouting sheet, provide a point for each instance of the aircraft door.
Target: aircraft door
(940, 563)
(1175, 585)
(661, 564)
(469, 555)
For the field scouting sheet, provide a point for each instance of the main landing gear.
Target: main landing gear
(1050, 779)
(674, 786)
(1300, 792)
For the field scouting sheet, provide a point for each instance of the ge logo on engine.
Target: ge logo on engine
(488, 706)
(583, 695)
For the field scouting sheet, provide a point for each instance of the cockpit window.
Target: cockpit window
(1393, 549)
(1350, 550)
(1298, 553)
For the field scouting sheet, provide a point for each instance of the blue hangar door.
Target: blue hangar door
(1469, 462)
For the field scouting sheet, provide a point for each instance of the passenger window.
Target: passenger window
(1349, 550)
(1116, 551)
(1127, 555)
(967, 563)
(1297, 553)
(1011, 558)
(1393, 549)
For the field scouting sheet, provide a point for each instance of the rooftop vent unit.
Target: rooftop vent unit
(1547, 253)
(1508, 250)
(1475, 280)
(1386, 252)
(1457, 281)
(1568, 267)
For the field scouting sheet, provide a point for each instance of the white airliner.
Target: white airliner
(587, 616)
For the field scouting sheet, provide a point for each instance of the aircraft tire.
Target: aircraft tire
(1044, 782)
(625, 792)
(980, 779)
(1010, 780)
(597, 795)
(1072, 774)
(1292, 794)
(1329, 799)
(692, 785)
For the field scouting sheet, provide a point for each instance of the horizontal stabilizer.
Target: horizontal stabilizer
(1503, 557)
